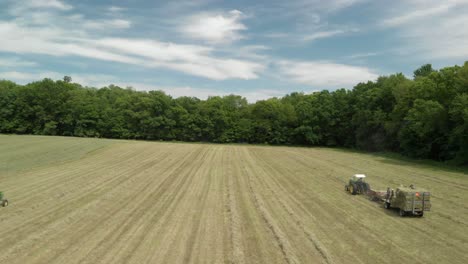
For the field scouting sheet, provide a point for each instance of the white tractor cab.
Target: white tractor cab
(359, 176)
(357, 185)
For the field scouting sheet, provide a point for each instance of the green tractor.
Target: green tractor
(409, 200)
(3, 202)
(357, 185)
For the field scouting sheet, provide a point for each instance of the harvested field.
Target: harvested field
(104, 201)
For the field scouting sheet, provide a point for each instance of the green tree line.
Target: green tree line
(424, 117)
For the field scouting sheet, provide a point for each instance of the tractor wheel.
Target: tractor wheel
(365, 187)
(346, 188)
(352, 189)
(421, 215)
(5, 203)
(386, 205)
(402, 212)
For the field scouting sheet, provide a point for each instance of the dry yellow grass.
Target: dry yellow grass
(143, 202)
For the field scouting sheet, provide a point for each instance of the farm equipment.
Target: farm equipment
(357, 185)
(3, 202)
(409, 200)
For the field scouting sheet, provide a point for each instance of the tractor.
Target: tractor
(3, 202)
(357, 185)
(409, 200)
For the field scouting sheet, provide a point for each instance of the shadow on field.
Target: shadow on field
(400, 160)
(422, 164)
(393, 212)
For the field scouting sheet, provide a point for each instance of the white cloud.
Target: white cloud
(25, 5)
(341, 4)
(107, 24)
(191, 59)
(116, 9)
(362, 55)
(215, 28)
(325, 74)
(416, 14)
(304, 13)
(75, 37)
(323, 34)
(251, 51)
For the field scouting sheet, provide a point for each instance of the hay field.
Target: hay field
(107, 201)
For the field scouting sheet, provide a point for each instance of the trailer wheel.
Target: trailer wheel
(386, 205)
(421, 215)
(402, 212)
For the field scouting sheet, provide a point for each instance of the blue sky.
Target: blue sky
(257, 49)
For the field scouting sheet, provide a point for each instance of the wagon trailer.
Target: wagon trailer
(409, 200)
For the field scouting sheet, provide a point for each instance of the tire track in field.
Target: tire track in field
(47, 175)
(283, 193)
(186, 215)
(116, 177)
(41, 191)
(110, 238)
(137, 210)
(113, 251)
(55, 219)
(208, 247)
(420, 227)
(276, 232)
(258, 241)
(65, 203)
(178, 192)
(324, 205)
(306, 213)
(365, 203)
(237, 248)
(280, 195)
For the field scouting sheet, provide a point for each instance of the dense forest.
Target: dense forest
(424, 117)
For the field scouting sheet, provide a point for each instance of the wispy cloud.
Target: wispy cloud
(323, 34)
(26, 5)
(417, 14)
(191, 59)
(116, 9)
(325, 74)
(432, 29)
(215, 28)
(362, 55)
(47, 4)
(107, 24)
